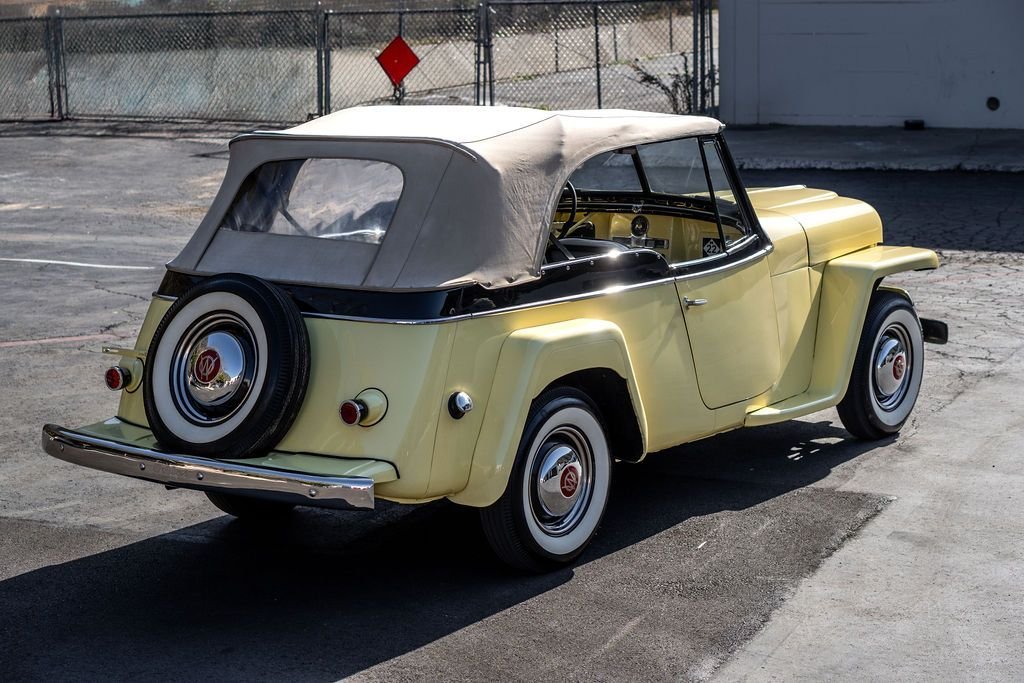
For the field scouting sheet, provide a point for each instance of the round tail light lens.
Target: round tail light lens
(117, 378)
(352, 412)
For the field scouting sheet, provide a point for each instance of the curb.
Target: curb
(759, 164)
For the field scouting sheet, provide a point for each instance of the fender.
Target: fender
(847, 285)
(530, 360)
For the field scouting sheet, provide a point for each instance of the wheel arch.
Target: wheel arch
(582, 353)
(880, 286)
(849, 284)
(610, 393)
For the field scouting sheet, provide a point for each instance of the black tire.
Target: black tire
(245, 507)
(272, 337)
(871, 408)
(519, 526)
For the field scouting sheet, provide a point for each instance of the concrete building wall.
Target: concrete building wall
(873, 62)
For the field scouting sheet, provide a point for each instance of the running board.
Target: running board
(797, 406)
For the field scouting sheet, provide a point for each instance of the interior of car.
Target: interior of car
(672, 197)
(601, 231)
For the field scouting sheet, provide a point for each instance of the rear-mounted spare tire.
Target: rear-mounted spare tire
(227, 369)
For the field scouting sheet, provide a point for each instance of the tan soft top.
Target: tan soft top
(480, 187)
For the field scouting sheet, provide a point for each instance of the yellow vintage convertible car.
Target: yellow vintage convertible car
(491, 305)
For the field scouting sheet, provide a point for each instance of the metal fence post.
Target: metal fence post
(702, 69)
(60, 70)
(597, 53)
(478, 62)
(484, 55)
(399, 93)
(671, 35)
(51, 71)
(711, 76)
(489, 54)
(695, 79)
(318, 40)
(329, 17)
(557, 69)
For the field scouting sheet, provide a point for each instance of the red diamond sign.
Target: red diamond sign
(397, 60)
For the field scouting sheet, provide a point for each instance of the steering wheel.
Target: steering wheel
(567, 225)
(585, 228)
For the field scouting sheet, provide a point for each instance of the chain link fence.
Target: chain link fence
(26, 76)
(239, 66)
(444, 40)
(290, 65)
(635, 55)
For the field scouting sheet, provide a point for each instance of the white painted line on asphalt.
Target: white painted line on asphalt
(55, 340)
(75, 264)
(702, 545)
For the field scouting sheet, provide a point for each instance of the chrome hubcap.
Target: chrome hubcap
(558, 483)
(891, 367)
(213, 368)
(216, 368)
(562, 480)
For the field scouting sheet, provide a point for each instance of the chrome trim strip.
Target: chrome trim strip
(764, 251)
(705, 259)
(626, 288)
(363, 319)
(390, 321)
(204, 474)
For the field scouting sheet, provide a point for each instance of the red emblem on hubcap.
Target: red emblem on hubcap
(207, 366)
(899, 366)
(569, 482)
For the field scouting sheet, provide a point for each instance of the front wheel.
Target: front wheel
(558, 489)
(887, 370)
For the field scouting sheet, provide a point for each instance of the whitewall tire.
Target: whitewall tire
(887, 370)
(558, 489)
(227, 369)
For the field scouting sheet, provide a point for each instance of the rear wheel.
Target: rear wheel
(245, 507)
(558, 489)
(887, 370)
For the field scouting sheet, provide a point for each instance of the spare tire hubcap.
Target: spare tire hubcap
(214, 368)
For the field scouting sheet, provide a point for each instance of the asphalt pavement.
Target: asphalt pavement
(783, 552)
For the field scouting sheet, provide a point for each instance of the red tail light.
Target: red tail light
(117, 378)
(352, 412)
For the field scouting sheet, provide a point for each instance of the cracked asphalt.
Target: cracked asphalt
(784, 552)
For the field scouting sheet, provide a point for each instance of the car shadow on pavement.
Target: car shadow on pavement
(304, 601)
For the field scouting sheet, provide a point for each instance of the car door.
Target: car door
(723, 280)
(731, 324)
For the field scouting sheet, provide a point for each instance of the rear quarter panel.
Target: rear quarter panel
(407, 362)
(650, 322)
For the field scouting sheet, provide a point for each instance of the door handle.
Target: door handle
(687, 302)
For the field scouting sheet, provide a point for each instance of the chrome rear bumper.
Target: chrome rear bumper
(204, 474)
